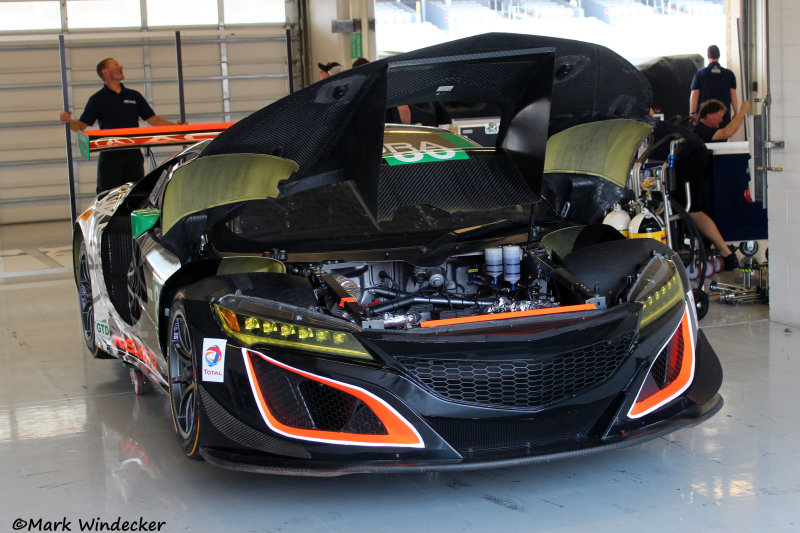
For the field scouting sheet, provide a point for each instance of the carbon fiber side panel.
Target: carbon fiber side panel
(243, 434)
(478, 183)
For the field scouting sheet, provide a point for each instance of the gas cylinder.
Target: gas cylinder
(618, 219)
(645, 225)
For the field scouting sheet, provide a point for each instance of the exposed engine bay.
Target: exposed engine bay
(397, 294)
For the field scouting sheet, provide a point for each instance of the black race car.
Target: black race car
(321, 292)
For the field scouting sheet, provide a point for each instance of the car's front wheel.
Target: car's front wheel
(184, 398)
(86, 300)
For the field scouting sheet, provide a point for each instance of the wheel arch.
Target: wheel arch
(182, 279)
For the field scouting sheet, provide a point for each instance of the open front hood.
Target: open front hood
(333, 129)
(332, 132)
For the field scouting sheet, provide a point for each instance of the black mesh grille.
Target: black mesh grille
(667, 365)
(335, 410)
(279, 389)
(521, 383)
(117, 250)
(469, 437)
(299, 402)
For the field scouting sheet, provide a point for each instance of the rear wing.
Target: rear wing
(121, 138)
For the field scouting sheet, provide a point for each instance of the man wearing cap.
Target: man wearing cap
(713, 82)
(326, 70)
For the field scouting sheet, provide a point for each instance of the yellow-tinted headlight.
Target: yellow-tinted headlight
(661, 299)
(252, 330)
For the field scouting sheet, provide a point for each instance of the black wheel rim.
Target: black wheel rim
(181, 376)
(85, 292)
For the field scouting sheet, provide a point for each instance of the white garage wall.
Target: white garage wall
(228, 74)
(784, 187)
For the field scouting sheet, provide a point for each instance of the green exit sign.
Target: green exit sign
(356, 50)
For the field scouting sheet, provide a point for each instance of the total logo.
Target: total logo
(213, 355)
(214, 359)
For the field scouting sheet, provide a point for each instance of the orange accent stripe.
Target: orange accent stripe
(153, 130)
(503, 316)
(672, 390)
(346, 299)
(400, 432)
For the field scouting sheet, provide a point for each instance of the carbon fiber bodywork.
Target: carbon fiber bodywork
(354, 317)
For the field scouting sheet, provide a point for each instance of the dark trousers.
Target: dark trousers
(117, 167)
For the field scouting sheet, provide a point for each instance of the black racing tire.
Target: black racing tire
(137, 380)
(86, 302)
(182, 373)
(701, 302)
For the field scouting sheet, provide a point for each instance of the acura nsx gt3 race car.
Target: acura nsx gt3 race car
(320, 292)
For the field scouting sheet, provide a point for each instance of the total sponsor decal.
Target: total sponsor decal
(137, 350)
(214, 359)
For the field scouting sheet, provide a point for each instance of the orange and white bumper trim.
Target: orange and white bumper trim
(400, 432)
(646, 404)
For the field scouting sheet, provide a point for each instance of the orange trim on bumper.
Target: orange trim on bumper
(679, 384)
(399, 431)
(512, 314)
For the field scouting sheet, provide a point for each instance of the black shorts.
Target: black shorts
(117, 167)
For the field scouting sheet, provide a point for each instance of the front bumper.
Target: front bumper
(454, 434)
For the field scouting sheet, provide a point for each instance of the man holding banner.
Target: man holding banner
(115, 106)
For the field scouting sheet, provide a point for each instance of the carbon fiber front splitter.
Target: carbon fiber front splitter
(691, 416)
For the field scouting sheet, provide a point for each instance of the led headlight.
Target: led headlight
(252, 330)
(658, 288)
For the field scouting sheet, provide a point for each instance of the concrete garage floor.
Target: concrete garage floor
(76, 444)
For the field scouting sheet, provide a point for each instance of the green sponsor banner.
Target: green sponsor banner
(83, 145)
(356, 50)
(450, 149)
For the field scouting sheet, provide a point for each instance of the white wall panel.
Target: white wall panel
(784, 187)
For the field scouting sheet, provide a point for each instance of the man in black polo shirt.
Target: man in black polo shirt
(713, 81)
(115, 106)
